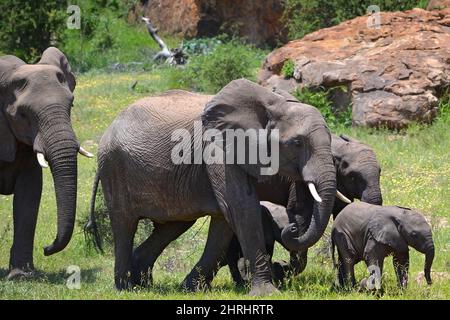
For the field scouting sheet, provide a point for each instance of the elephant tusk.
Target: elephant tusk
(312, 189)
(41, 160)
(343, 198)
(85, 153)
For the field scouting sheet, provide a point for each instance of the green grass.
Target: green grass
(416, 171)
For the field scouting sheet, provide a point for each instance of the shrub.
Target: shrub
(27, 28)
(305, 16)
(288, 69)
(444, 107)
(198, 46)
(320, 99)
(228, 61)
(104, 38)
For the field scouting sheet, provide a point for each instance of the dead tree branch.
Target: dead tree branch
(175, 56)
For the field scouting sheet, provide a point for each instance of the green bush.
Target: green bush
(305, 16)
(288, 69)
(105, 38)
(228, 61)
(29, 27)
(320, 99)
(444, 107)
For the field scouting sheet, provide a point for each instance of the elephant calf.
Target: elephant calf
(370, 232)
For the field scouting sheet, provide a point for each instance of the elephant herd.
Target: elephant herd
(313, 175)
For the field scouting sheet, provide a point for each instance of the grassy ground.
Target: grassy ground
(416, 173)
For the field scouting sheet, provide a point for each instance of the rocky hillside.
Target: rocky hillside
(258, 21)
(393, 74)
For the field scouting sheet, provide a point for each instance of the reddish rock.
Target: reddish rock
(438, 4)
(394, 74)
(258, 21)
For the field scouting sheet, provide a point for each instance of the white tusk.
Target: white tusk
(341, 197)
(313, 191)
(85, 153)
(41, 160)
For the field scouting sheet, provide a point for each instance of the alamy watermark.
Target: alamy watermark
(73, 282)
(374, 20)
(74, 20)
(230, 146)
(374, 280)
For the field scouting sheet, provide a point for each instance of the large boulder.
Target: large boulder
(438, 4)
(257, 21)
(393, 74)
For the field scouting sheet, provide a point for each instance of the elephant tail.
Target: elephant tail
(335, 265)
(91, 228)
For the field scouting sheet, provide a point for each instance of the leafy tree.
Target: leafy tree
(29, 27)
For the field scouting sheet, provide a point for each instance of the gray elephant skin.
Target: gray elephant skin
(35, 104)
(139, 179)
(358, 177)
(369, 233)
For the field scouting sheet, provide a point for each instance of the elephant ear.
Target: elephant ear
(289, 97)
(241, 104)
(53, 56)
(348, 139)
(385, 230)
(8, 144)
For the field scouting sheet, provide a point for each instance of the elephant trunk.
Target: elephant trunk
(429, 256)
(322, 169)
(372, 195)
(61, 148)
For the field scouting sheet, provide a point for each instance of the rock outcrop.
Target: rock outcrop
(438, 4)
(258, 21)
(394, 74)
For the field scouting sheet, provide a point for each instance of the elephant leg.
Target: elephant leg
(341, 273)
(234, 253)
(346, 272)
(298, 261)
(374, 255)
(347, 259)
(145, 256)
(27, 196)
(236, 195)
(217, 244)
(124, 230)
(401, 266)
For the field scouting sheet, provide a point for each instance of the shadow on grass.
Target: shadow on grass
(59, 277)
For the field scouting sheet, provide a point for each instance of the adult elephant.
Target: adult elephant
(35, 103)
(358, 177)
(141, 180)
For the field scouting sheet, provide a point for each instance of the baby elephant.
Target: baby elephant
(369, 232)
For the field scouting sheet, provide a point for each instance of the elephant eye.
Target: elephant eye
(60, 77)
(20, 84)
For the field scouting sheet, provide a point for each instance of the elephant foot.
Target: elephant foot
(195, 284)
(124, 283)
(142, 279)
(19, 274)
(263, 289)
(280, 269)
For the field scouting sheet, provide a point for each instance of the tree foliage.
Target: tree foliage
(29, 27)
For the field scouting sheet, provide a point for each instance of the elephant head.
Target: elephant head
(358, 171)
(304, 145)
(35, 106)
(403, 227)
